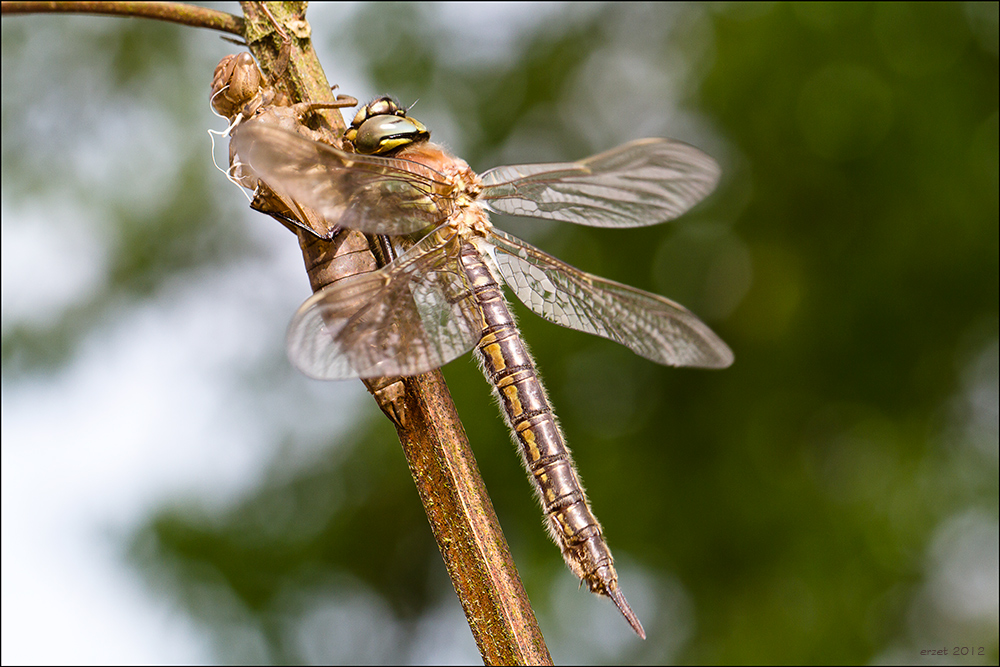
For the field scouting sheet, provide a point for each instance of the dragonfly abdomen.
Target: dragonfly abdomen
(510, 369)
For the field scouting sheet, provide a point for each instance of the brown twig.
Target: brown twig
(176, 12)
(443, 466)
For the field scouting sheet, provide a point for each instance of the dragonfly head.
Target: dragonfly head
(382, 127)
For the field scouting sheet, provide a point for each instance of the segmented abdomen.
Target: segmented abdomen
(511, 371)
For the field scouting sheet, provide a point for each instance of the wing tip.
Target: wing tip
(723, 359)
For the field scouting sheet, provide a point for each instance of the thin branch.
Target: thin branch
(175, 12)
(437, 450)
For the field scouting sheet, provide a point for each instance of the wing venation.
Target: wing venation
(372, 194)
(650, 325)
(643, 182)
(414, 315)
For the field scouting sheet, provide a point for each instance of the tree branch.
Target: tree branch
(437, 450)
(176, 12)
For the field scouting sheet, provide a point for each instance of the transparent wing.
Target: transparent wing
(641, 183)
(414, 315)
(650, 325)
(371, 194)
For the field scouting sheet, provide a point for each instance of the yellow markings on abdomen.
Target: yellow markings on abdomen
(543, 483)
(561, 519)
(495, 353)
(514, 400)
(528, 438)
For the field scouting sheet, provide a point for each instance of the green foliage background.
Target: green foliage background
(799, 507)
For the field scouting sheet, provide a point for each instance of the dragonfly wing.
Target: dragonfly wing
(372, 194)
(650, 325)
(414, 315)
(641, 183)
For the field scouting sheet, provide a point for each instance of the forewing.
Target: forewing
(371, 194)
(650, 325)
(414, 315)
(641, 183)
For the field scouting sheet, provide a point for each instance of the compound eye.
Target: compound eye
(360, 116)
(381, 134)
(383, 106)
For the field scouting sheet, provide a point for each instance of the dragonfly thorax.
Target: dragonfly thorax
(468, 216)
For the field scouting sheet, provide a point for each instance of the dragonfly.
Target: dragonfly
(441, 296)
